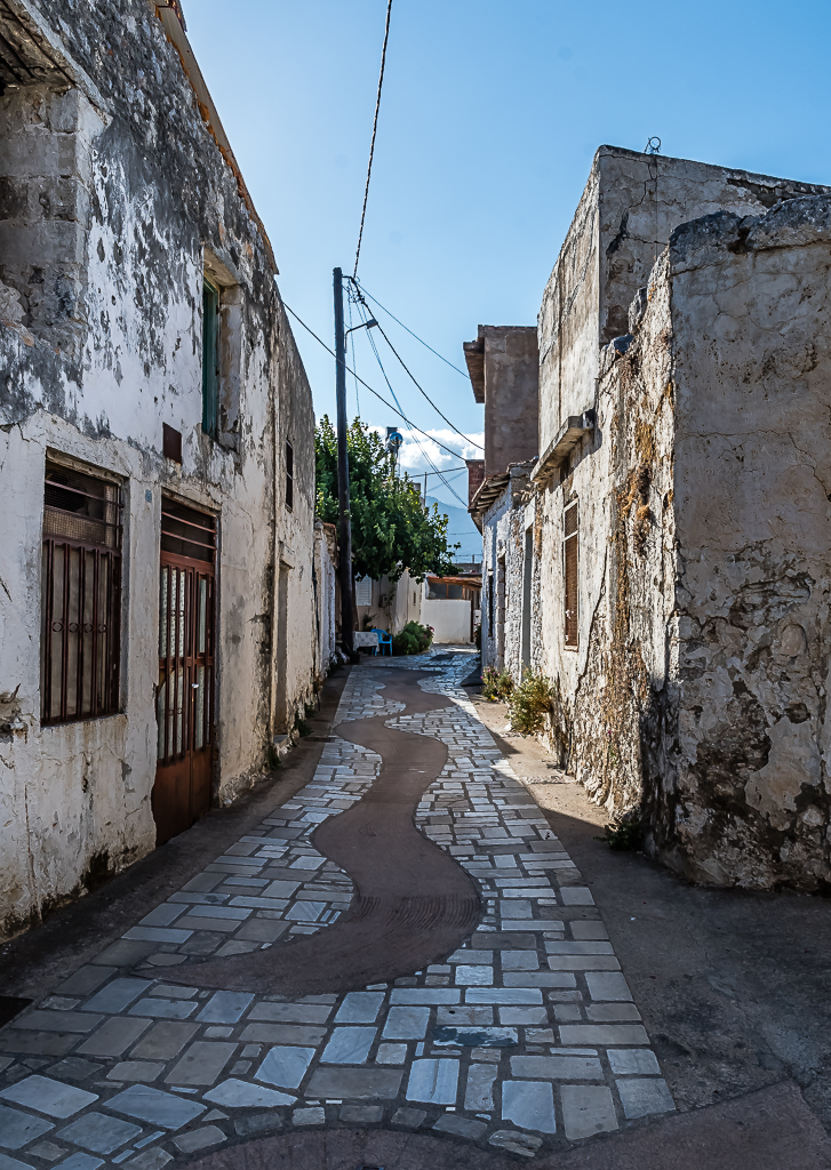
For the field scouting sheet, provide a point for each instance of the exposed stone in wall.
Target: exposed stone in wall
(697, 692)
(619, 708)
(752, 352)
(630, 205)
(114, 195)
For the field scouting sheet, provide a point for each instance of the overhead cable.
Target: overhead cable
(374, 132)
(407, 329)
(422, 391)
(420, 388)
(449, 487)
(366, 385)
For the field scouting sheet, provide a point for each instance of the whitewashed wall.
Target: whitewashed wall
(92, 371)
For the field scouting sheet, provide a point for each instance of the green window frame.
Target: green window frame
(210, 358)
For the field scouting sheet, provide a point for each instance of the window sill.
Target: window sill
(57, 724)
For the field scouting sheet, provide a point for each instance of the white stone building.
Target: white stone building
(663, 558)
(157, 592)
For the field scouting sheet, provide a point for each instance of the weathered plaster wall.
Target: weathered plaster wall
(567, 321)
(326, 598)
(503, 534)
(752, 356)
(510, 382)
(394, 603)
(101, 344)
(697, 691)
(629, 207)
(608, 723)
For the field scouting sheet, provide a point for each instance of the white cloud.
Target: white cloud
(415, 449)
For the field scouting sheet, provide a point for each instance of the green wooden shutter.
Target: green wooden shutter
(210, 358)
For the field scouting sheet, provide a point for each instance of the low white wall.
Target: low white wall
(450, 620)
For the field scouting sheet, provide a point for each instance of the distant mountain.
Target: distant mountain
(460, 530)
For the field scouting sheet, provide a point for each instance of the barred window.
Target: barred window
(80, 596)
(570, 592)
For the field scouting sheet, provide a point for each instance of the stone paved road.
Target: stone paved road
(524, 1037)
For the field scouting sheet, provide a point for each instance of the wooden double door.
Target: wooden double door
(185, 697)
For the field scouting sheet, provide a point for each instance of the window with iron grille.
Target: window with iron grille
(289, 475)
(570, 556)
(80, 596)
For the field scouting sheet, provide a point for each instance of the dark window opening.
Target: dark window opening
(289, 476)
(171, 443)
(570, 592)
(186, 532)
(210, 358)
(80, 596)
(490, 605)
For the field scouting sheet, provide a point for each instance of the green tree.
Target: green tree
(392, 528)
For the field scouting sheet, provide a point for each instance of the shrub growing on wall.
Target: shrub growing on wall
(496, 684)
(531, 701)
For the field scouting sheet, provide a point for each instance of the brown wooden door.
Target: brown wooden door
(185, 695)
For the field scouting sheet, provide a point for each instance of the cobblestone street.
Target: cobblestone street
(524, 1039)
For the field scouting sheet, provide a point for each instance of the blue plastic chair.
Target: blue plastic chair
(384, 641)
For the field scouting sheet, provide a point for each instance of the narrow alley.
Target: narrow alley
(393, 962)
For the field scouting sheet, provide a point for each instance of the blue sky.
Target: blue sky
(490, 116)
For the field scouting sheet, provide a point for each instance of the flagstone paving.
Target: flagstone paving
(525, 1035)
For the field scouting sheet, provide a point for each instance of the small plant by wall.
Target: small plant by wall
(531, 702)
(497, 685)
(413, 639)
(624, 832)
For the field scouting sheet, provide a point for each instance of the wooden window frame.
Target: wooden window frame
(571, 576)
(80, 645)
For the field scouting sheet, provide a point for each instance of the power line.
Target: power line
(421, 389)
(439, 412)
(418, 441)
(374, 132)
(407, 329)
(351, 336)
(366, 385)
(449, 487)
(446, 473)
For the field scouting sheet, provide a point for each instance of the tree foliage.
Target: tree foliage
(392, 528)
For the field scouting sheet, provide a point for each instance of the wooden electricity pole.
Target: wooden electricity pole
(344, 517)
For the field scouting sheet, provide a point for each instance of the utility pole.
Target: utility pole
(344, 518)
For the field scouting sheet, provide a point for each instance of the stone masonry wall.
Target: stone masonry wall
(752, 358)
(630, 205)
(702, 666)
(612, 687)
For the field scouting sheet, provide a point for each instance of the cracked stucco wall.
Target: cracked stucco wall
(629, 206)
(751, 803)
(111, 201)
(697, 689)
(503, 556)
(326, 596)
(701, 675)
